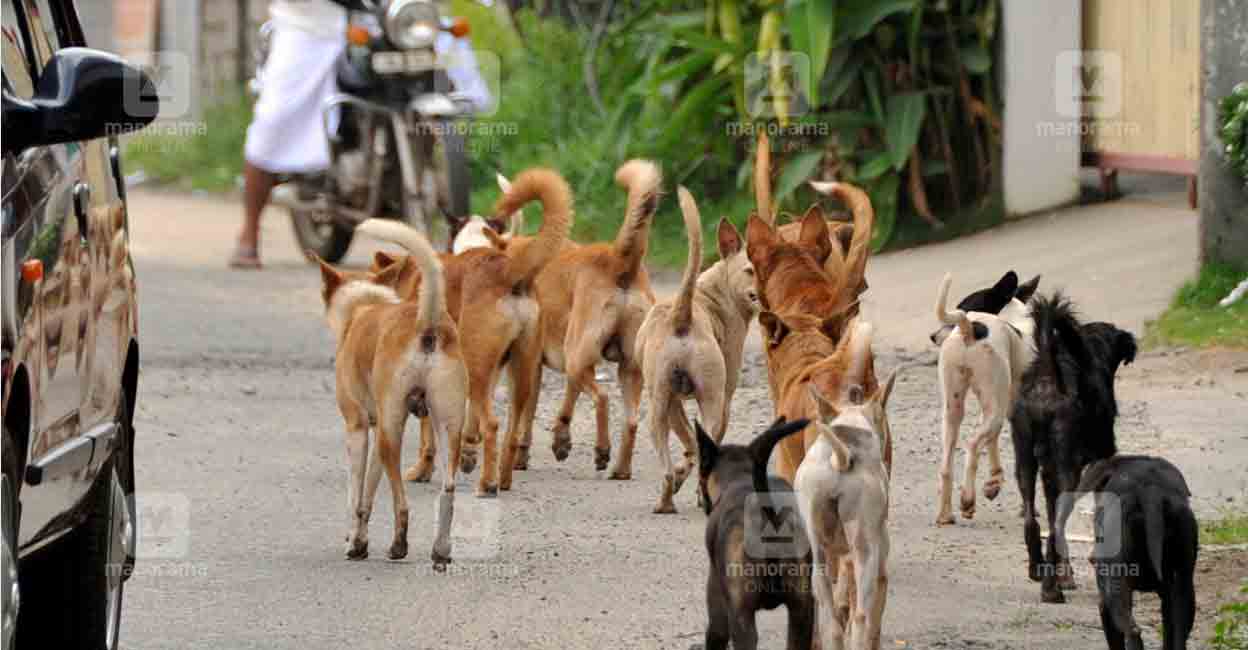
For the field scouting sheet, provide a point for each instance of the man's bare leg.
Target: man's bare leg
(257, 184)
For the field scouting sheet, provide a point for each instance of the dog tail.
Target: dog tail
(547, 186)
(854, 277)
(760, 448)
(1057, 327)
(762, 179)
(432, 284)
(955, 317)
(516, 222)
(682, 310)
(642, 179)
(1155, 530)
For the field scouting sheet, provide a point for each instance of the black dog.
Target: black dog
(741, 584)
(1062, 421)
(1147, 541)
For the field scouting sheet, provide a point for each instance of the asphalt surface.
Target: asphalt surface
(241, 464)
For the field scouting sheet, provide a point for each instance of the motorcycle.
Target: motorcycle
(397, 145)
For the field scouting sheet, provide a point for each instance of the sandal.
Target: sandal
(245, 257)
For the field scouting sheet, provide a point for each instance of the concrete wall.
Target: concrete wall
(1223, 197)
(1041, 144)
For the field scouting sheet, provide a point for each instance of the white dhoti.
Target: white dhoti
(287, 135)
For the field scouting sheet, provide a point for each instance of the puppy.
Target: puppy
(394, 358)
(1062, 421)
(842, 488)
(987, 357)
(740, 584)
(1143, 514)
(470, 232)
(498, 316)
(692, 346)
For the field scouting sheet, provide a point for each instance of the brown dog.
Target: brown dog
(394, 358)
(691, 346)
(492, 298)
(593, 299)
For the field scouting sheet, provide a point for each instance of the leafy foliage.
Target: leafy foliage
(1233, 128)
(1230, 632)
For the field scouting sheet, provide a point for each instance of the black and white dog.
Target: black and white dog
(1147, 541)
(1062, 421)
(985, 345)
(741, 583)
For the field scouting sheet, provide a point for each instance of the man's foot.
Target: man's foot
(245, 257)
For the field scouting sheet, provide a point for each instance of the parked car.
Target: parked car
(70, 336)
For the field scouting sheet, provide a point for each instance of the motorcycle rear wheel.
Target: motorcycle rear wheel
(320, 235)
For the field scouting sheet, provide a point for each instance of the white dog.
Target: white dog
(842, 487)
(988, 357)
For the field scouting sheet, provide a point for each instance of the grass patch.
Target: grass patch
(1194, 318)
(1232, 528)
(206, 156)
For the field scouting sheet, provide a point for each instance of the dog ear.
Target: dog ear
(1027, 289)
(883, 394)
(814, 236)
(1006, 286)
(496, 224)
(759, 240)
(496, 240)
(390, 275)
(1124, 346)
(729, 239)
(708, 451)
(382, 259)
(330, 276)
(774, 328)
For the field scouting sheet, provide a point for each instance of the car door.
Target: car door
(49, 176)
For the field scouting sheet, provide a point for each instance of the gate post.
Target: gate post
(1223, 196)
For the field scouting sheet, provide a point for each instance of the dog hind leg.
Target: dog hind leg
(953, 388)
(524, 365)
(357, 464)
(422, 470)
(660, 406)
(991, 402)
(389, 446)
(679, 422)
(1116, 605)
(632, 383)
(1049, 591)
(719, 625)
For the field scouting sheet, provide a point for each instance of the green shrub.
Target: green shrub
(1230, 632)
(206, 156)
(1194, 317)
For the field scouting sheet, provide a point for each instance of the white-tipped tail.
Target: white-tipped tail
(954, 317)
(432, 284)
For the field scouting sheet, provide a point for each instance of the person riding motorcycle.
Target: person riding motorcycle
(286, 135)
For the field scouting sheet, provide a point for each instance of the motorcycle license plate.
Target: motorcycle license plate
(403, 62)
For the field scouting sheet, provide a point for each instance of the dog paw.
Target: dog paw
(357, 549)
(467, 460)
(602, 457)
(1066, 581)
(1034, 572)
(678, 478)
(487, 491)
(993, 487)
(421, 472)
(621, 475)
(439, 561)
(398, 550)
(1053, 596)
(522, 458)
(945, 520)
(668, 508)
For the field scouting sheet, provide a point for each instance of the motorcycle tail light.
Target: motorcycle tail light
(460, 28)
(32, 271)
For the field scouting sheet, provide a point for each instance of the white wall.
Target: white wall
(1041, 145)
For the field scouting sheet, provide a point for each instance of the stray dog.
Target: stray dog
(394, 358)
(692, 346)
(498, 319)
(741, 583)
(1144, 516)
(593, 299)
(843, 494)
(469, 232)
(988, 358)
(1062, 421)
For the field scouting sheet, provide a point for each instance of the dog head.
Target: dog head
(1006, 299)
(341, 289)
(737, 271)
(1118, 346)
(718, 466)
(399, 272)
(475, 231)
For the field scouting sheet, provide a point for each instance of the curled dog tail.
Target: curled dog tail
(854, 277)
(642, 179)
(547, 186)
(761, 447)
(432, 284)
(682, 310)
(955, 317)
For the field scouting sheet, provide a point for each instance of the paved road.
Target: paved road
(241, 464)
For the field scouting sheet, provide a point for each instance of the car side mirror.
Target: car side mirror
(82, 94)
